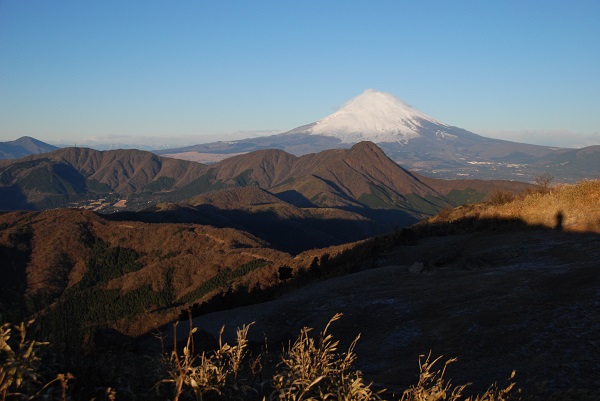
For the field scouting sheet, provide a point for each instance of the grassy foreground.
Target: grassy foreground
(310, 368)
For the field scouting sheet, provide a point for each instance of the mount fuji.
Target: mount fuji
(408, 136)
(373, 116)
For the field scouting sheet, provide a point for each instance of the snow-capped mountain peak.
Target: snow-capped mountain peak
(373, 116)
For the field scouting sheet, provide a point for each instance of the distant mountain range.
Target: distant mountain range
(23, 146)
(362, 176)
(64, 176)
(410, 138)
(329, 197)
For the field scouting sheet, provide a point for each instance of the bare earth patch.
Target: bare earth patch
(121, 203)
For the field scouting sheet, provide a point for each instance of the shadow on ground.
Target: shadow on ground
(497, 294)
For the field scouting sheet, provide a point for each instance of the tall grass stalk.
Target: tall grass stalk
(21, 374)
(433, 386)
(209, 375)
(312, 369)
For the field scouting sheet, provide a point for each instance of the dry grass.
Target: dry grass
(578, 204)
(310, 369)
(575, 206)
(313, 369)
(216, 375)
(432, 386)
(21, 376)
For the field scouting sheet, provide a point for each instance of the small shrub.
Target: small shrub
(501, 197)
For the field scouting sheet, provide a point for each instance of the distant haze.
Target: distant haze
(559, 138)
(105, 142)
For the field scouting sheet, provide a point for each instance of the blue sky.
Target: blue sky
(197, 71)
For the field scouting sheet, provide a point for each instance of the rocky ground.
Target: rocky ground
(500, 301)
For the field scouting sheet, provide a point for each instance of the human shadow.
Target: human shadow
(559, 221)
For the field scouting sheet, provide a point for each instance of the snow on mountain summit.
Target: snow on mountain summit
(373, 116)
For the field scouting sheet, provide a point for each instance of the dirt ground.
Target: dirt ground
(527, 301)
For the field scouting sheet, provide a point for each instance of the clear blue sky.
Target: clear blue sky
(70, 70)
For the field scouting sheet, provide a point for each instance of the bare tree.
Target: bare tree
(544, 181)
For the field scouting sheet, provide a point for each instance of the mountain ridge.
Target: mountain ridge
(357, 177)
(322, 199)
(71, 174)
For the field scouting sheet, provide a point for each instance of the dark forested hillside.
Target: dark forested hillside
(81, 270)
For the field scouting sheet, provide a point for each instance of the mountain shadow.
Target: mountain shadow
(288, 234)
(13, 198)
(295, 198)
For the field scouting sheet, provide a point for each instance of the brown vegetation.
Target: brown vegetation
(62, 244)
(575, 205)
